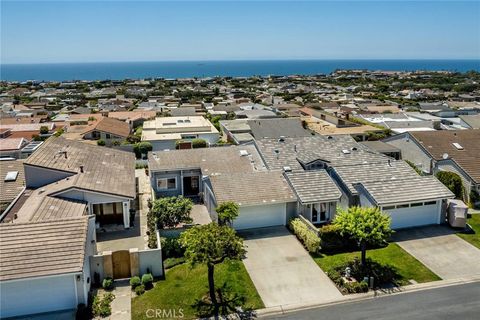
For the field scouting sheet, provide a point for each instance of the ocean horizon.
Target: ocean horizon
(92, 71)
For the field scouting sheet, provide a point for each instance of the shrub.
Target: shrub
(330, 237)
(100, 142)
(172, 262)
(355, 287)
(199, 143)
(171, 248)
(135, 282)
(310, 239)
(101, 306)
(139, 290)
(452, 181)
(116, 143)
(107, 284)
(147, 281)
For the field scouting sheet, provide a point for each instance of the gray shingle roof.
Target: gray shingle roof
(406, 190)
(313, 186)
(11, 189)
(308, 149)
(210, 160)
(276, 128)
(255, 188)
(36, 249)
(383, 171)
(58, 209)
(106, 170)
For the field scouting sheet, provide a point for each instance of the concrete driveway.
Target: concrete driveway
(282, 270)
(438, 248)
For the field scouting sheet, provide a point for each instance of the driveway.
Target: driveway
(438, 248)
(282, 270)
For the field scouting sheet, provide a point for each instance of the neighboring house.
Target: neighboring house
(241, 130)
(133, 118)
(45, 264)
(12, 182)
(101, 177)
(12, 147)
(109, 130)
(383, 148)
(28, 130)
(164, 132)
(447, 150)
(470, 121)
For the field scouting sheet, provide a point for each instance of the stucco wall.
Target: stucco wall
(36, 177)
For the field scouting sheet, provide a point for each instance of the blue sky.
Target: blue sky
(90, 31)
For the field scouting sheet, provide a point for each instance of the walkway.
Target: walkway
(282, 270)
(122, 304)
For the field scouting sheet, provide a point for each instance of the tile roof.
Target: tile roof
(213, 160)
(406, 190)
(35, 249)
(106, 170)
(380, 146)
(10, 144)
(113, 126)
(437, 143)
(313, 186)
(57, 209)
(11, 189)
(383, 171)
(471, 120)
(278, 154)
(254, 188)
(276, 128)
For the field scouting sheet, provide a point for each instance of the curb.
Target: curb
(284, 309)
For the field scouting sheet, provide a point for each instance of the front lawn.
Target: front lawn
(185, 286)
(473, 238)
(406, 266)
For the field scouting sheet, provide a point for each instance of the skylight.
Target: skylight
(458, 146)
(11, 176)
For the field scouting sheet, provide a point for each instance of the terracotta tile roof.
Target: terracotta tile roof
(106, 170)
(10, 144)
(254, 188)
(113, 126)
(35, 249)
(437, 143)
(132, 115)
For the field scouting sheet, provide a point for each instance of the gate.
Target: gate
(121, 264)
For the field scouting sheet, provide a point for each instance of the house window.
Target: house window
(400, 206)
(167, 184)
(389, 208)
(418, 204)
(429, 203)
(107, 136)
(189, 137)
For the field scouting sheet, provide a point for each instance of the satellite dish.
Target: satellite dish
(445, 156)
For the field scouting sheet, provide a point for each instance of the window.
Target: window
(388, 208)
(400, 206)
(418, 204)
(107, 136)
(429, 203)
(188, 137)
(167, 184)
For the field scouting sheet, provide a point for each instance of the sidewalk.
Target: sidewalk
(121, 305)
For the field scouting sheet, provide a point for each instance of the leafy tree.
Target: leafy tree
(43, 129)
(211, 244)
(142, 148)
(452, 181)
(170, 211)
(367, 226)
(199, 143)
(227, 212)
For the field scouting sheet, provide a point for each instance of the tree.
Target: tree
(452, 181)
(211, 244)
(43, 129)
(171, 211)
(227, 212)
(199, 143)
(142, 148)
(100, 142)
(368, 226)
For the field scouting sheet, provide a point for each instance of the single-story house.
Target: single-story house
(108, 130)
(45, 265)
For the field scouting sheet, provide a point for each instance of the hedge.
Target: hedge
(310, 240)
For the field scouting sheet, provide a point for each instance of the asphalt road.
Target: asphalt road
(454, 302)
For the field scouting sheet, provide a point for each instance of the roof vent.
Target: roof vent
(346, 151)
(287, 169)
(243, 153)
(354, 148)
(281, 139)
(458, 146)
(329, 137)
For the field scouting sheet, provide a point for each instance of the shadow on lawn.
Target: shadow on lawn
(228, 304)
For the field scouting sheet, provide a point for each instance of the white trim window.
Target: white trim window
(167, 183)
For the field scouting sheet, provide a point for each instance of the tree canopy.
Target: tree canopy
(227, 212)
(170, 211)
(452, 181)
(367, 225)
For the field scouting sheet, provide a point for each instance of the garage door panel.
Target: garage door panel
(261, 216)
(414, 216)
(37, 295)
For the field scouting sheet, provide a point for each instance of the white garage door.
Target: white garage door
(414, 216)
(38, 295)
(261, 216)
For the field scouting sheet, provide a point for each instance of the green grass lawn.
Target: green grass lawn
(473, 238)
(184, 286)
(407, 266)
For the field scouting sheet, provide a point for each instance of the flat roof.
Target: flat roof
(36, 249)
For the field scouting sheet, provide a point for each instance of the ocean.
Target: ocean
(202, 69)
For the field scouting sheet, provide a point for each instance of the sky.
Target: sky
(95, 31)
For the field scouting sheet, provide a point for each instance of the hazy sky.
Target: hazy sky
(85, 31)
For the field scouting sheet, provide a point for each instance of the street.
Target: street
(453, 302)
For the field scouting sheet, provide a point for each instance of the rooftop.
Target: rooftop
(11, 189)
(36, 249)
(253, 188)
(473, 121)
(313, 186)
(172, 128)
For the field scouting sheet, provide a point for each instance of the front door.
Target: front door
(191, 186)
